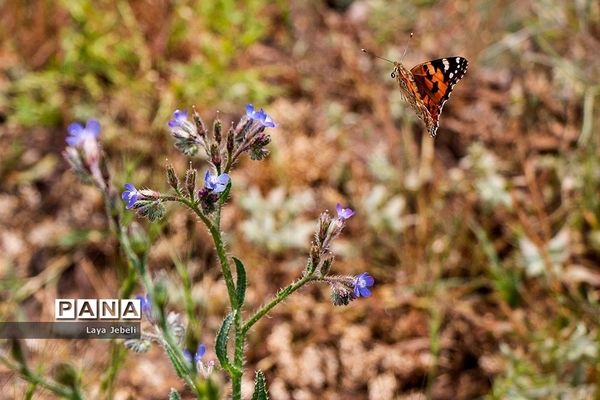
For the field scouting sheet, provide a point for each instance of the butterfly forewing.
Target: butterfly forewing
(435, 80)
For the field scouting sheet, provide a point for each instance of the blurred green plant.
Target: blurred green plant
(93, 62)
(555, 365)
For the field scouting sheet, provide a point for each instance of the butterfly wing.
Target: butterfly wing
(435, 80)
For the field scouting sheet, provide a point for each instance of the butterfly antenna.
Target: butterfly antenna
(406, 47)
(373, 55)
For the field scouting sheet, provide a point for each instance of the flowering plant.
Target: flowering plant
(223, 150)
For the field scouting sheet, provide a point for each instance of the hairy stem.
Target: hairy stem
(220, 247)
(278, 298)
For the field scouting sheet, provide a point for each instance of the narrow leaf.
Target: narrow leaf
(222, 339)
(260, 387)
(240, 289)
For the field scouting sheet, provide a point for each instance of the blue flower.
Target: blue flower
(179, 118)
(146, 304)
(197, 358)
(199, 353)
(78, 134)
(215, 183)
(362, 283)
(260, 116)
(205, 368)
(130, 195)
(344, 213)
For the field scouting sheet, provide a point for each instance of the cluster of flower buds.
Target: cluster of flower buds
(223, 150)
(328, 228)
(84, 153)
(344, 289)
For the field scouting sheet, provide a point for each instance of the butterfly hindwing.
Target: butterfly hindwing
(435, 80)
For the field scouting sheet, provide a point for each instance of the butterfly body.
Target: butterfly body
(427, 87)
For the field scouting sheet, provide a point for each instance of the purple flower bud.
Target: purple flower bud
(344, 213)
(130, 195)
(362, 283)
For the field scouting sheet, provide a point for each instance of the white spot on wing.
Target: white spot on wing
(446, 64)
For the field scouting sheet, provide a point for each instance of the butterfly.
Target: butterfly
(428, 86)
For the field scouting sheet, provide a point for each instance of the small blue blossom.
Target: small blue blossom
(199, 352)
(78, 134)
(260, 116)
(362, 283)
(130, 195)
(344, 213)
(215, 183)
(179, 118)
(204, 368)
(146, 304)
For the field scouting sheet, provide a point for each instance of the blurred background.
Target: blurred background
(484, 243)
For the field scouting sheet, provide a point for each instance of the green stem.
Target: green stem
(278, 298)
(118, 352)
(36, 379)
(220, 247)
(176, 356)
(138, 265)
(187, 292)
(238, 357)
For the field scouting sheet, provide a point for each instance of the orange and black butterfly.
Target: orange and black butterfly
(428, 86)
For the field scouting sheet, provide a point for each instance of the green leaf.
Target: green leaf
(240, 289)
(260, 387)
(174, 395)
(222, 339)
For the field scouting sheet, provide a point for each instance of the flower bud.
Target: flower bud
(199, 123)
(138, 345)
(326, 265)
(313, 259)
(190, 181)
(215, 156)
(323, 227)
(187, 136)
(342, 290)
(153, 210)
(172, 177)
(230, 141)
(217, 127)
